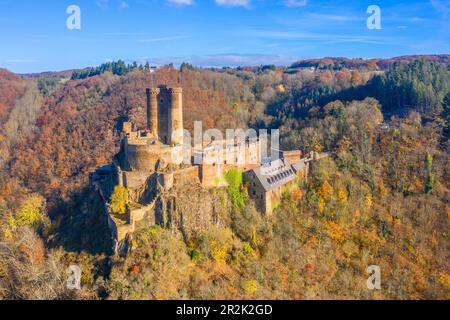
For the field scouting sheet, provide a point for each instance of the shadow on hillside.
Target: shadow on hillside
(80, 225)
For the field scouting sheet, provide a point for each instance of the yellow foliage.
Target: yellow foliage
(382, 189)
(356, 217)
(280, 88)
(31, 213)
(334, 231)
(325, 191)
(250, 286)
(321, 205)
(119, 200)
(368, 201)
(8, 233)
(218, 252)
(444, 278)
(342, 196)
(318, 147)
(248, 250)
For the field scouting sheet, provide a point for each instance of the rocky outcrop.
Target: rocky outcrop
(188, 208)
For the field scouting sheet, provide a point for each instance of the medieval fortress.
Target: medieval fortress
(158, 157)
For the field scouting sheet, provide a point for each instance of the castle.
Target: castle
(159, 155)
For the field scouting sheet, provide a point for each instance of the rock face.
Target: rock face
(189, 209)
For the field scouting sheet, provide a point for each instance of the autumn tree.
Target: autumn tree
(119, 200)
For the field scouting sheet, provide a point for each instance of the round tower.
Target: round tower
(153, 110)
(176, 116)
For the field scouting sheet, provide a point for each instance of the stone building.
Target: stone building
(265, 184)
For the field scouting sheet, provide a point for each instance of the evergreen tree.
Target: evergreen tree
(429, 183)
(422, 85)
(446, 115)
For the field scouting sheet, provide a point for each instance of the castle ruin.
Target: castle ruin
(151, 159)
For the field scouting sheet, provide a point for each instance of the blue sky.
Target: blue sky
(34, 36)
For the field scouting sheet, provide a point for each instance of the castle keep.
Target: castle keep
(151, 159)
(165, 114)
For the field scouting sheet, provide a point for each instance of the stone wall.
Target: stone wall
(188, 174)
(141, 157)
(134, 180)
(165, 180)
(292, 156)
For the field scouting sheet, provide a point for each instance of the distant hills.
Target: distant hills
(50, 74)
(370, 64)
(331, 63)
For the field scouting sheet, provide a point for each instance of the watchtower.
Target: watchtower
(165, 114)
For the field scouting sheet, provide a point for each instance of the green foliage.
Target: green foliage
(247, 223)
(384, 230)
(119, 68)
(237, 194)
(47, 86)
(446, 115)
(421, 84)
(186, 66)
(119, 200)
(429, 183)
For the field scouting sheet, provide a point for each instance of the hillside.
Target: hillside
(367, 64)
(382, 198)
(11, 88)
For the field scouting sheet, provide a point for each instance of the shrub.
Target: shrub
(237, 195)
(119, 200)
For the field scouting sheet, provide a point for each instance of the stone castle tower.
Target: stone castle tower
(165, 114)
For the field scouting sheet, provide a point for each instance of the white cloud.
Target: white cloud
(124, 4)
(233, 3)
(295, 3)
(181, 2)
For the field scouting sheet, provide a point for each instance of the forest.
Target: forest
(381, 199)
